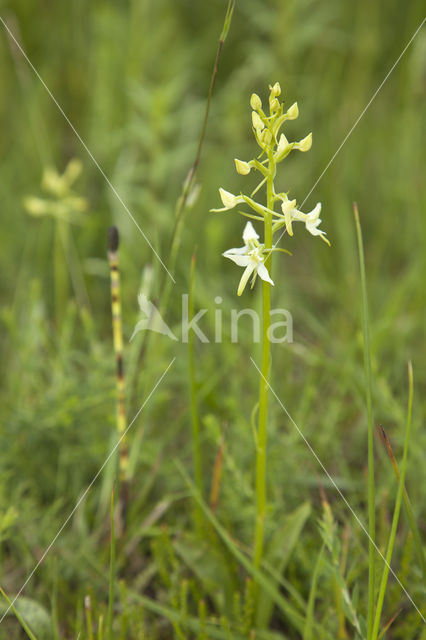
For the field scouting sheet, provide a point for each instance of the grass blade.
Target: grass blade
(111, 574)
(197, 461)
(397, 509)
(181, 205)
(409, 509)
(89, 619)
(371, 483)
(18, 616)
(307, 633)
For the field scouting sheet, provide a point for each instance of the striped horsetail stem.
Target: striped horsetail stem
(113, 242)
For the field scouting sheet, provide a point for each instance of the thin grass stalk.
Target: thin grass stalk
(262, 430)
(18, 616)
(79, 618)
(89, 619)
(73, 265)
(101, 627)
(189, 182)
(371, 481)
(389, 623)
(409, 509)
(195, 421)
(111, 596)
(60, 273)
(307, 633)
(342, 633)
(54, 606)
(397, 509)
(113, 244)
(217, 476)
(25, 81)
(186, 191)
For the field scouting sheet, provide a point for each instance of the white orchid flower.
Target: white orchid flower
(311, 219)
(251, 256)
(305, 144)
(229, 200)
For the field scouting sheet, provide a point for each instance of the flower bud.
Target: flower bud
(305, 144)
(274, 105)
(257, 121)
(243, 168)
(255, 102)
(275, 90)
(266, 137)
(293, 112)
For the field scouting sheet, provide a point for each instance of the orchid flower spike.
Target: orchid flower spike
(252, 256)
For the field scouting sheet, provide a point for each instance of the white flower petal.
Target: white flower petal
(249, 233)
(237, 250)
(288, 205)
(282, 144)
(312, 228)
(305, 144)
(228, 198)
(240, 260)
(245, 277)
(314, 214)
(263, 273)
(293, 112)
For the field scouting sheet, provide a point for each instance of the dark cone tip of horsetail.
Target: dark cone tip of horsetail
(113, 239)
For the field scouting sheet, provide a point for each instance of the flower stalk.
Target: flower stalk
(262, 430)
(256, 257)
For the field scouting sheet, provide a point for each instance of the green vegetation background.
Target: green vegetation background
(133, 77)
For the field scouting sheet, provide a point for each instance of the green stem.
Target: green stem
(307, 633)
(17, 615)
(112, 576)
(398, 501)
(181, 205)
(198, 470)
(262, 431)
(89, 619)
(60, 274)
(371, 486)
